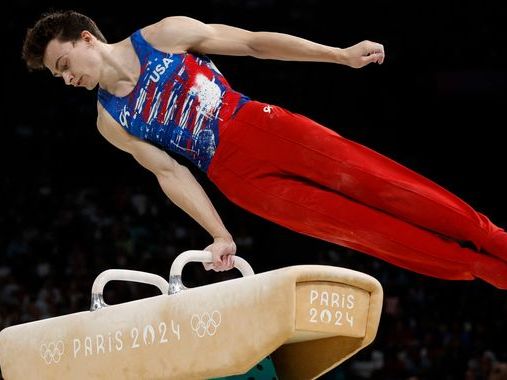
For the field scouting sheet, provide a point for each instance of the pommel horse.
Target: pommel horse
(309, 318)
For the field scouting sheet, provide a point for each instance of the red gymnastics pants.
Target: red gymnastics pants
(293, 171)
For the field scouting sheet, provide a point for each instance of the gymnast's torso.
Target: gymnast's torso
(178, 103)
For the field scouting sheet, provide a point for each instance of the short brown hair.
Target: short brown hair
(63, 25)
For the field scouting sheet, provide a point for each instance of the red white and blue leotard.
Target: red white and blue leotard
(178, 103)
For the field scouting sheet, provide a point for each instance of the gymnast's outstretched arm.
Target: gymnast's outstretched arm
(179, 33)
(178, 184)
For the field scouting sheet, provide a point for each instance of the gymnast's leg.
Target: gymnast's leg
(325, 214)
(303, 148)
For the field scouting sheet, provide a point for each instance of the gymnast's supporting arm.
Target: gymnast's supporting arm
(179, 184)
(179, 33)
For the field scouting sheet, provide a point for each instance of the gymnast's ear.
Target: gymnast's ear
(87, 37)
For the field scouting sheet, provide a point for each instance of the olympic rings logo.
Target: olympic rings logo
(205, 323)
(52, 352)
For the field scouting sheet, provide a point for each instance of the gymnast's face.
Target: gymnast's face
(77, 62)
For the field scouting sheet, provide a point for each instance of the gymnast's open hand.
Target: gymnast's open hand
(223, 250)
(364, 53)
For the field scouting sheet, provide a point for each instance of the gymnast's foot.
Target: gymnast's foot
(491, 270)
(496, 245)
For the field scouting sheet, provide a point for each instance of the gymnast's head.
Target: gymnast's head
(69, 45)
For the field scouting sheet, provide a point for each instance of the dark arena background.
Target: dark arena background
(72, 205)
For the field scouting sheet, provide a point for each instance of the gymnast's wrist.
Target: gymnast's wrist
(340, 56)
(224, 237)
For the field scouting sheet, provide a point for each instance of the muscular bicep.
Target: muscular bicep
(180, 33)
(152, 158)
(226, 40)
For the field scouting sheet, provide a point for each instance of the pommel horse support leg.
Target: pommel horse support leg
(310, 318)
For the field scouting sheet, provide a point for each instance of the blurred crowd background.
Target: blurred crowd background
(73, 206)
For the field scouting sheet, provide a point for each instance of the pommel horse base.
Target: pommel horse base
(309, 318)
